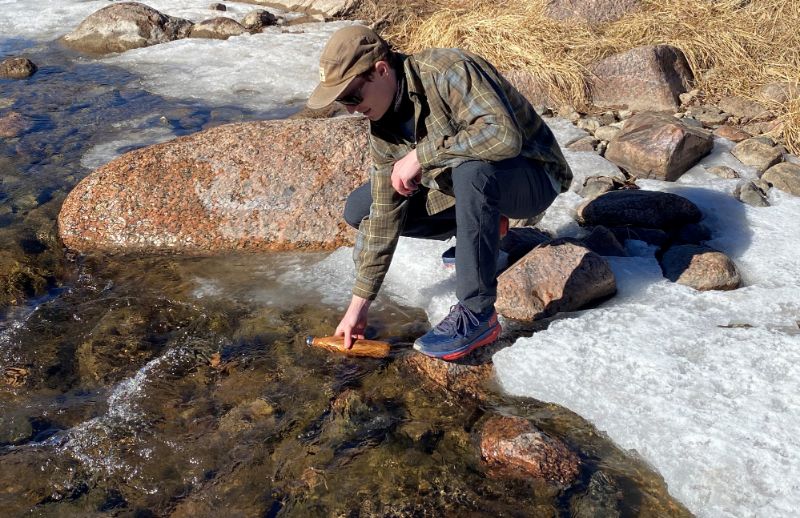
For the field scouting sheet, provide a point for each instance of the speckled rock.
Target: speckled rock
(758, 153)
(270, 185)
(644, 78)
(784, 176)
(557, 276)
(467, 377)
(707, 115)
(700, 267)
(14, 124)
(123, 26)
(512, 446)
(723, 171)
(220, 28)
(744, 109)
(256, 20)
(591, 11)
(779, 92)
(732, 133)
(638, 208)
(753, 193)
(584, 144)
(326, 8)
(17, 68)
(658, 146)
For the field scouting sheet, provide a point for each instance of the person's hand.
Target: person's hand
(354, 321)
(406, 174)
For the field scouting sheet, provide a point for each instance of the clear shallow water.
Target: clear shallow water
(120, 409)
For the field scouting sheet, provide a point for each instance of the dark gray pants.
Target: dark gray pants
(517, 188)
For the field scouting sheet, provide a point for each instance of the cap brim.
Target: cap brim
(323, 96)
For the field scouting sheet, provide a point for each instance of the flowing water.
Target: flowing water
(168, 386)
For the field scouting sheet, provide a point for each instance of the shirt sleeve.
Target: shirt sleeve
(378, 233)
(486, 128)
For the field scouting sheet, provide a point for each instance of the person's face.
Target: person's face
(371, 93)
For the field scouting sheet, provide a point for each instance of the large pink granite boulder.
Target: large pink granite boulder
(644, 78)
(658, 146)
(270, 185)
(558, 276)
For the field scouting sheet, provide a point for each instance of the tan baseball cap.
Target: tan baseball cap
(351, 51)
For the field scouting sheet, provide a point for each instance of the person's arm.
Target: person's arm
(487, 127)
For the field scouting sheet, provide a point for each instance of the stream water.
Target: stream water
(170, 386)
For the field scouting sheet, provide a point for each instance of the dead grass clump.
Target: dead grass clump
(734, 47)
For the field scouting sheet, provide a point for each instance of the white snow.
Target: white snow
(704, 386)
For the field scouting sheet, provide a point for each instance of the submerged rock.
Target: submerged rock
(125, 26)
(658, 146)
(700, 267)
(14, 124)
(557, 276)
(512, 446)
(601, 499)
(17, 68)
(271, 185)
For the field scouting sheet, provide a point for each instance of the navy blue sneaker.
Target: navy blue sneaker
(460, 333)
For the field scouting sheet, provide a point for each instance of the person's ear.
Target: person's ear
(382, 68)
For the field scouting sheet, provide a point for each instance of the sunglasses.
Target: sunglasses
(354, 98)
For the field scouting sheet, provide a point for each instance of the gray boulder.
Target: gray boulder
(639, 208)
(658, 146)
(753, 193)
(557, 276)
(723, 171)
(220, 28)
(744, 109)
(256, 20)
(124, 26)
(17, 68)
(700, 267)
(784, 176)
(644, 78)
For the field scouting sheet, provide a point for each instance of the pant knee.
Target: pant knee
(357, 206)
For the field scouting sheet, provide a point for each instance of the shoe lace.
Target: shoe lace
(457, 323)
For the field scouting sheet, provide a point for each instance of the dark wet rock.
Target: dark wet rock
(648, 78)
(659, 146)
(512, 446)
(271, 185)
(554, 277)
(125, 26)
(600, 500)
(590, 11)
(18, 280)
(220, 28)
(651, 236)
(460, 378)
(723, 171)
(31, 476)
(638, 208)
(745, 110)
(218, 7)
(784, 176)
(732, 133)
(594, 186)
(700, 267)
(588, 143)
(14, 429)
(14, 124)
(707, 115)
(603, 242)
(753, 193)
(255, 21)
(17, 68)
(694, 233)
(521, 240)
(780, 92)
(757, 153)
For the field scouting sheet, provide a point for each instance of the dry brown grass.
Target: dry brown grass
(734, 47)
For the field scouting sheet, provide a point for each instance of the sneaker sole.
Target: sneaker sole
(487, 338)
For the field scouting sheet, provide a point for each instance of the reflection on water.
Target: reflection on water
(159, 386)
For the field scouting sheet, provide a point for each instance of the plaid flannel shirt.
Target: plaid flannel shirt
(463, 110)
